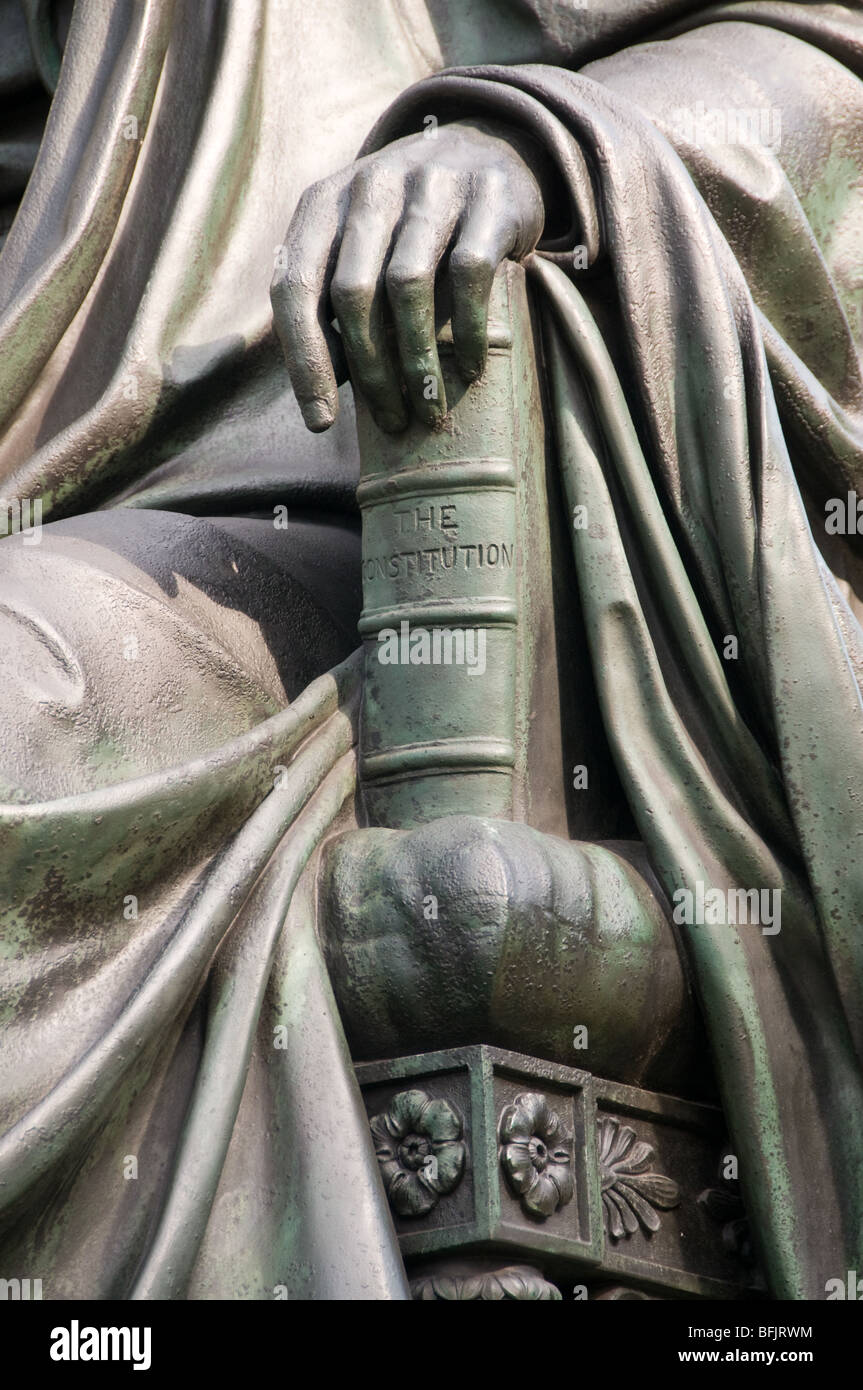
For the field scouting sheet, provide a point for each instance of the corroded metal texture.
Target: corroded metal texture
(237, 855)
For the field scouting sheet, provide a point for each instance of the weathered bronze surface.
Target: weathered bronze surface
(430, 788)
(554, 1167)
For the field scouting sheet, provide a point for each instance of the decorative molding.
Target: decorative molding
(515, 1282)
(535, 1155)
(607, 1234)
(421, 1151)
(632, 1197)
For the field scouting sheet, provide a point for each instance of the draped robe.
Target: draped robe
(701, 312)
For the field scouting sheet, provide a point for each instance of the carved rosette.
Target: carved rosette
(632, 1197)
(535, 1155)
(515, 1282)
(420, 1150)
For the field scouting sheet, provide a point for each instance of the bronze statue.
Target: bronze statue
(453, 966)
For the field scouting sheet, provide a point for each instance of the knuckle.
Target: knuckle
(310, 197)
(352, 295)
(469, 863)
(471, 267)
(373, 184)
(408, 282)
(495, 185)
(287, 285)
(365, 182)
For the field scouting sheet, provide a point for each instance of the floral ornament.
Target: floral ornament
(535, 1155)
(630, 1196)
(517, 1282)
(419, 1147)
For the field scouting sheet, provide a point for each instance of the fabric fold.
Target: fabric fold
(741, 773)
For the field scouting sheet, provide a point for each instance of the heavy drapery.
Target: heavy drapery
(704, 382)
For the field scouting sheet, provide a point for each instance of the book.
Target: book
(457, 589)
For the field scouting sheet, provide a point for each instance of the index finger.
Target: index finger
(299, 293)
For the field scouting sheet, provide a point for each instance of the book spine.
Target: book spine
(441, 598)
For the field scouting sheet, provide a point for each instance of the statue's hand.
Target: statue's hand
(365, 246)
(470, 930)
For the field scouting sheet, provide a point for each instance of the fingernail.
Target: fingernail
(318, 414)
